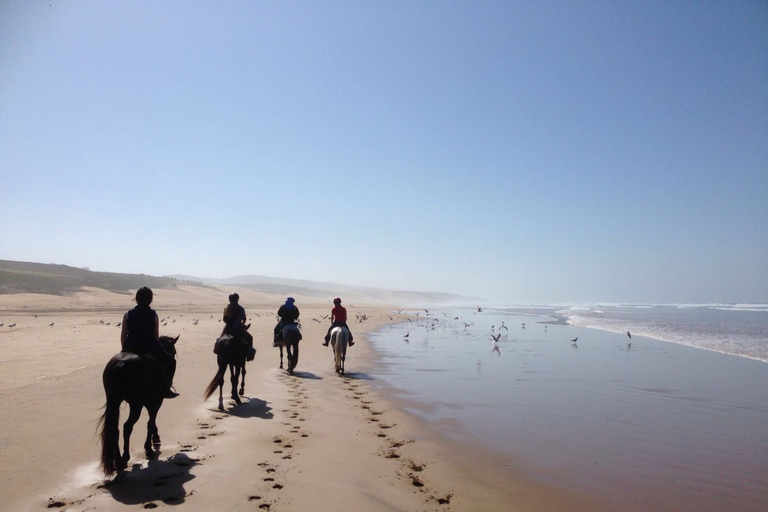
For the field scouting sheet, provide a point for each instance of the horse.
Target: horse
(339, 341)
(290, 337)
(231, 351)
(140, 381)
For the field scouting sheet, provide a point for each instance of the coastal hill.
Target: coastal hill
(54, 279)
(319, 289)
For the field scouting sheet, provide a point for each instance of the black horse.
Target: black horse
(290, 338)
(232, 351)
(140, 381)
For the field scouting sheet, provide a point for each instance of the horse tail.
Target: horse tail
(218, 380)
(110, 437)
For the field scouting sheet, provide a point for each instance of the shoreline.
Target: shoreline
(312, 438)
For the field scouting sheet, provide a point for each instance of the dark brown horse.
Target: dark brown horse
(139, 380)
(231, 351)
(290, 338)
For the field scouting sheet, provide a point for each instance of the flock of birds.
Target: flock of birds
(427, 322)
(431, 323)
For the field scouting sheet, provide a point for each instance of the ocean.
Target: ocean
(674, 417)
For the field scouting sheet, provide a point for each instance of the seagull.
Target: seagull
(12, 325)
(496, 338)
(630, 336)
(467, 325)
(575, 339)
(407, 334)
(479, 309)
(629, 345)
(502, 326)
(523, 325)
(50, 325)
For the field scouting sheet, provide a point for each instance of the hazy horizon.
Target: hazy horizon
(526, 153)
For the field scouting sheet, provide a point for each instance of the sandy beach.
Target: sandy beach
(314, 439)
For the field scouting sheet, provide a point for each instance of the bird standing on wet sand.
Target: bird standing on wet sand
(574, 340)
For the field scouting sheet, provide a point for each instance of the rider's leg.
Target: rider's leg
(169, 367)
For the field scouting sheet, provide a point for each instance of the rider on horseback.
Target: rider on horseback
(288, 314)
(140, 335)
(338, 319)
(234, 322)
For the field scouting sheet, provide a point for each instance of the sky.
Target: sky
(523, 152)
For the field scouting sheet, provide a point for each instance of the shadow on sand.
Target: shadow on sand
(306, 375)
(160, 480)
(252, 408)
(356, 376)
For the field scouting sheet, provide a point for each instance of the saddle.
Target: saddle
(250, 352)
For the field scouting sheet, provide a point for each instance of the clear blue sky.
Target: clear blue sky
(524, 152)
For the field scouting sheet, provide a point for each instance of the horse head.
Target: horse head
(169, 343)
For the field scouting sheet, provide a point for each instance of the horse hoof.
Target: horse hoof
(242, 392)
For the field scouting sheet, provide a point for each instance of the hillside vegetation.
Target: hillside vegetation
(24, 277)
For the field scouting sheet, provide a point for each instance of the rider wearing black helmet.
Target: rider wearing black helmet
(140, 335)
(234, 320)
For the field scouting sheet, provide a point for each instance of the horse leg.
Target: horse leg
(242, 382)
(221, 395)
(133, 417)
(152, 443)
(234, 376)
(295, 355)
(343, 356)
(281, 357)
(333, 349)
(289, 356)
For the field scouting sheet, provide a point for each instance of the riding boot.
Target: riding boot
(170, 391)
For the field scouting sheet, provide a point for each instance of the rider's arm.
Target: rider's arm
(124, 331)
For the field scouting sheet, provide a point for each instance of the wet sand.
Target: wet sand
(314, 439)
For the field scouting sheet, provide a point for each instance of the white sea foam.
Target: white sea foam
(738, 329)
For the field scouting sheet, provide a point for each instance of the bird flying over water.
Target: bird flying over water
(630, 336)
(496, 338)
